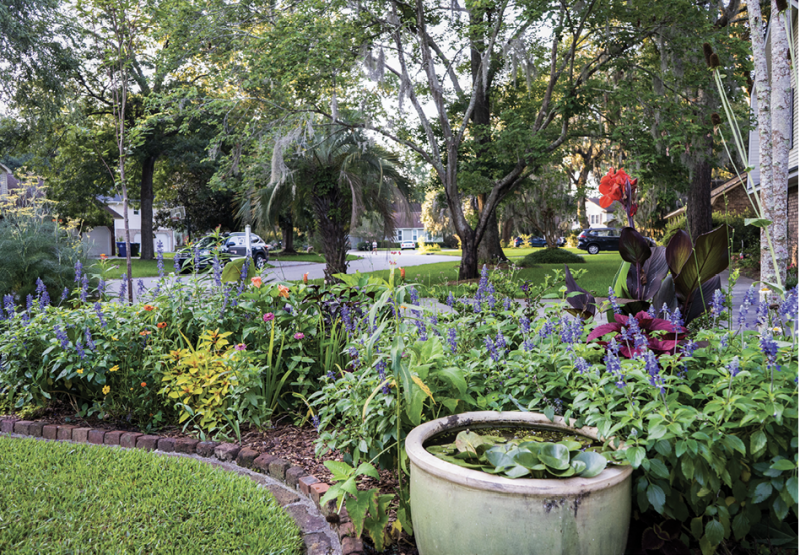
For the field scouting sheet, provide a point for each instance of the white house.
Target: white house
(7, 181)
(167, 236)
(599, 216)
(408, 227)
(753, 179)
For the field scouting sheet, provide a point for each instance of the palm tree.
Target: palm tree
(340, 175)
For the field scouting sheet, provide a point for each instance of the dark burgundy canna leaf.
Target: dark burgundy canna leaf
(583, 304)
(710, 258)
(679, 249)
(633, 247)
(665, 296)
(603, 329)
(698, 303)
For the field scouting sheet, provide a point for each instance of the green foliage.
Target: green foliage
(551, 256)
(33, 244)
(529, 456)
(166, 503)
(746, 238)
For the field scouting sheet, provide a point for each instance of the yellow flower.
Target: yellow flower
(79, 370)
(114, 368)
(106, 389)
(114, 338)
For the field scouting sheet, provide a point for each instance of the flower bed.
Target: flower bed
(708, 412)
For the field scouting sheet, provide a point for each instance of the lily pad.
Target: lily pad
(471, 442)
(595, 463)
(555, 456)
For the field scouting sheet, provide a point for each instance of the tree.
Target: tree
(342, 174)
(773, 94)
(547, 204)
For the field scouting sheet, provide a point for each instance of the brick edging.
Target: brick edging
(294, 477)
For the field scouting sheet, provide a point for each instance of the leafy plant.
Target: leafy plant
(528, 456)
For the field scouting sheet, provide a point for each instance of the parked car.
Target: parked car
(205, 247)
(408, 245)
(537, 242)
(235, 246)
(602, 239)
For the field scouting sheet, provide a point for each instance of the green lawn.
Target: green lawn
(303, 257)
(601, 269)
(68, 498)
(115, 267)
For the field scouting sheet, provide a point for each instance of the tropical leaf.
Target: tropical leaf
(679, 249)
(583, 304)
(633, 247)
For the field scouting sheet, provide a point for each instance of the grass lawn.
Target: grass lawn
(601, 271)
(115, 267)
(67, 498)
(304, 257)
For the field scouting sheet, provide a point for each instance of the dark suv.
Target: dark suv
(602, 239)
(235, 246)
(596, 240)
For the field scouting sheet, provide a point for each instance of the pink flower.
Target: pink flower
(240, 347)
(269, 317)
(299, 336)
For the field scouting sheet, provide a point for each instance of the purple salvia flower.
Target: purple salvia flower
(347, 320)
(84, 287)
(547, 330)
(676, 319)
(176, 264)
(40, 287)
(689, 348)
(79, 349)
(140, 288)
(491, 348)
(434, 319)
(89, 342)
(507, 303)
(654, 370)
(354, 360)
(315, 422)
(733, 367)
(717, 303)
(413, 296)
(29, 303)
(78, 271)
(160, 259)
(612, 298)
(527, 345)
(492, 301)
(500, 341)
(451, 339)
(123, 288)
(723, 341)
(61, 336)
(652, 312)
(581, 365)
(101, 287)
(525, 324)
(450, 300)
(613, 364)
(749, 299)
(476, 307)
(196, 253)
(788, 308)
(98, 309)
(217, 269)
(64, 294)
(770, 349)
(762, 313)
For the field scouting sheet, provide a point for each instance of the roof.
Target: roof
(411, 218)
(596, 200)
(715, 193)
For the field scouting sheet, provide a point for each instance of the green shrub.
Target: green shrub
(551, 256)
(33, 244)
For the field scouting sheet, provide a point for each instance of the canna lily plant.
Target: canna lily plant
(681, 275)
(662, 336)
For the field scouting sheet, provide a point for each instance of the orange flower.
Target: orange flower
(144, 384)
(161, 325)
(402, 273)
(256, 281)
(145, 332)
(305, 278)
(283, 291)
(149, 307)
(103, 256)
(612, 186)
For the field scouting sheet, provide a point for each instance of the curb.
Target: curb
(298, 492)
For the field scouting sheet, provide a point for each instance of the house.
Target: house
(114, 205)
(7, 181)
(729, 197)
(599, 216)
(753, 142)
(408, 227)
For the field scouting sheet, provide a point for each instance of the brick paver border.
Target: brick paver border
(295, 482)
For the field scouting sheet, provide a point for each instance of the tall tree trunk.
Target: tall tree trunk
(469, 257)
(763, 93)
(148, 168)
(332, 233)
(508, 228)
(490, 250)
(776, 203)
(287, 228)
(698, 205)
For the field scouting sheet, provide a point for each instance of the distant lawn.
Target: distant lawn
(601, 269)
(140, 268)
(68, 498)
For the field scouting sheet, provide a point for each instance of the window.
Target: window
(399, 234)
(135, 212)
(414, 235)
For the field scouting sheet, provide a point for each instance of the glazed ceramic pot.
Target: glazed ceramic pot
(460, 511)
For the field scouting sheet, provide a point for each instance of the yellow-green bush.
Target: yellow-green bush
(429, 248)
